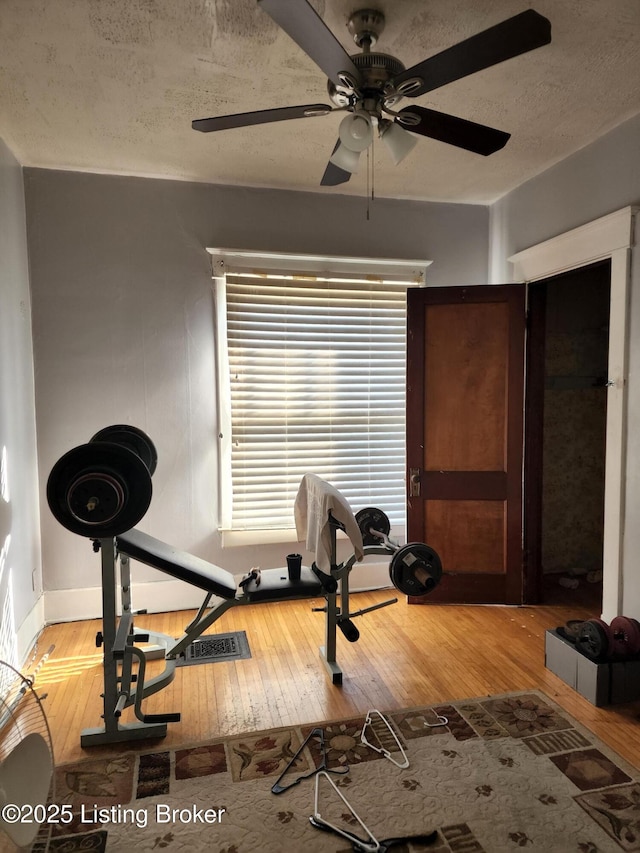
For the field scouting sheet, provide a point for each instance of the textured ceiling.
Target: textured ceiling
(112, 86)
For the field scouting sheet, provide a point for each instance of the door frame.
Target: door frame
(609, 237)
(534, 431)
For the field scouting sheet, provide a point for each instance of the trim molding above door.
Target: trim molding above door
(610, 237)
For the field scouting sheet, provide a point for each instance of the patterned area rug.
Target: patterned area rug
(506, 773)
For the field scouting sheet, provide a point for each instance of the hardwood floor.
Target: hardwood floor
(407, 655)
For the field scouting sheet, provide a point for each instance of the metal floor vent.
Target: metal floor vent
(217, 647)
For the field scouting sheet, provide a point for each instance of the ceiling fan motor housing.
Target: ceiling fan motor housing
(376, 70)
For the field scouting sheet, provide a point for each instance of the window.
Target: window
(312, 378)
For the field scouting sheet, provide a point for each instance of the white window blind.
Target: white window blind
(315, 375)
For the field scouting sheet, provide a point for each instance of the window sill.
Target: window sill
(238, 538)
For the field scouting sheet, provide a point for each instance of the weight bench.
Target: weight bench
(102, 489)
(274, 583)
(123, 687)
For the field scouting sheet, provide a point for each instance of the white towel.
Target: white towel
(315, 500)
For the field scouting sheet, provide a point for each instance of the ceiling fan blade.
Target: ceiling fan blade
(453, 130)
(303, 24)
(512, 37)
(206, 125)
(334, 175)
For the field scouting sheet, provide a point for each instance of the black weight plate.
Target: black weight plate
(110, 473)
(409, 563)
(625, 636)
(96, 497)
(133, 439)
(593, 640)
(371, 517)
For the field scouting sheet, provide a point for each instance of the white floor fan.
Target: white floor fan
(26, 765)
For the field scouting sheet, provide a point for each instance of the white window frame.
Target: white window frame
(412, 272)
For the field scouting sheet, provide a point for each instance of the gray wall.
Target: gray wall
(123, 330)
(599, 179)
(20, 565)
(123, 322)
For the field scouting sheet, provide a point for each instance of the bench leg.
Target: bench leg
(328, 651)
(116, 668)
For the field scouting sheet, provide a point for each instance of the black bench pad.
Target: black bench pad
(144, 548)
(276, 586)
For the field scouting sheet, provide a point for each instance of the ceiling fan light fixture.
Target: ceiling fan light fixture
(398, 141)
(356, 131)
(345, 158)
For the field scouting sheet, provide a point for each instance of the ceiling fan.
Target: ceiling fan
(368, 85)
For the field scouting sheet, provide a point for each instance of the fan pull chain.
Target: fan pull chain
(368, 217)
(373, 160)
(370, 178)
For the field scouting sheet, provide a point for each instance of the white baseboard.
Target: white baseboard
(370, 575)
(72, 605)
(28, 631)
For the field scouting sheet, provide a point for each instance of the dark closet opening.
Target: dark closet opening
(566, 435)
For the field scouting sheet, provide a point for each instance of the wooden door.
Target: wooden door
(465, 391)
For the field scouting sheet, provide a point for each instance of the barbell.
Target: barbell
(415, 568)
(103, 488)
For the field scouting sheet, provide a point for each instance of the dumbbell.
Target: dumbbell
(415, 568)
(601, 642)
(103, 488)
